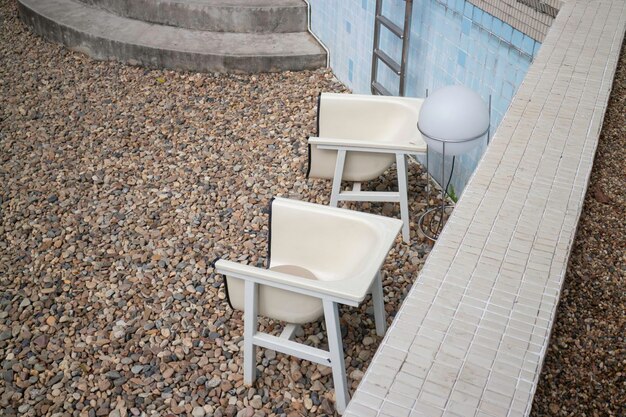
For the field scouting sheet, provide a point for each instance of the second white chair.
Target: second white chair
(359, 138)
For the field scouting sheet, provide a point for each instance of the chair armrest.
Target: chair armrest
(314, 288)
(411, 146)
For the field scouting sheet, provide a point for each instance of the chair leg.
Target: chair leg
(341, 160)
(379, 305)
(249, 329)
(289, 331)
(335, 346)
(404, 198)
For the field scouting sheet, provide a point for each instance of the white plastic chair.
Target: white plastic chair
(359, 138)
(320, 257)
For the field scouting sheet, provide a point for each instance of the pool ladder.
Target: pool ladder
(379, 55)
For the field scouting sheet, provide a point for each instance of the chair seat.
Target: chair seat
(280, 304)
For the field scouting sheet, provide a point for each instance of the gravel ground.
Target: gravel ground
(118, 186)
(585, 368)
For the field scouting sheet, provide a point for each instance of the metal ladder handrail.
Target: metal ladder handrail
(379, 55)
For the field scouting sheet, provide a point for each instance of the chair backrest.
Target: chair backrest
(331, 244)
(359, 116)
(362, 117)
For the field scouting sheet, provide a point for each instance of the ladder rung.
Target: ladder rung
(382, 90)
(395, 67)
(395, 29)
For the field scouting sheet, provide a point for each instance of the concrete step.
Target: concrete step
(246, 16)
(103, 35)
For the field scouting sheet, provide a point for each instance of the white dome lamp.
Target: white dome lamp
(453, 120)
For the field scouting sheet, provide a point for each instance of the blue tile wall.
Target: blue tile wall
(452, 42)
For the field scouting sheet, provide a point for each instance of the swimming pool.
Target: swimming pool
(452, 42)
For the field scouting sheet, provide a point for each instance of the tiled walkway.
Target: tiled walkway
(472, 334)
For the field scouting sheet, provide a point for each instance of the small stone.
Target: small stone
(104, 384)
(308, 403)
(226, 386)
(55, 379)
(41, 341)
(600, 196)
(8, 376)
(317, 386)
(136, 369)
(177, 409)
(214, 382)
(388, 209)
(327, 407)
(356, 375)
(256, 402)
(51, 321)
(198, 412)
(230, 411)
(296, 375)
(364, 355)
(113, 375)
(165, 332)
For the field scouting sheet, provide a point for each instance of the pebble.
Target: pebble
(269, 354)
(41, 341)
(356, 375)
(198, 412)
(113, 375)
(256, 402)
(215, 382)
(308, 403)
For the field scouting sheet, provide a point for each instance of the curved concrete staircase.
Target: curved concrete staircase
(196, 35)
